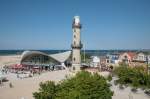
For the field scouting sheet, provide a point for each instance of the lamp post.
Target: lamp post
(147, 65)
(84, 53)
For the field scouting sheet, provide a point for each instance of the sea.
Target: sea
(89, 52)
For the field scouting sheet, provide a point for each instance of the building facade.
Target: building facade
(127, 57)
(112, 58)
(95, 61)
(140, 57)
(39, 59)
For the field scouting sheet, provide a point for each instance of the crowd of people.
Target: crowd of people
(28, 71)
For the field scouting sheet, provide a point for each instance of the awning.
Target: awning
(17, 66)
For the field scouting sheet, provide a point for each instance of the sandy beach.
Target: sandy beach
(25, 87)
(9, 59)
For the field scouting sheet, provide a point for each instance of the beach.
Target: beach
(9, 59)
(25, 87)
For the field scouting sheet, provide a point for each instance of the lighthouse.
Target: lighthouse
(76, 44)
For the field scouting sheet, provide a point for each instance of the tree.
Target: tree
(47, 90)
(82, 86)
(136, 77)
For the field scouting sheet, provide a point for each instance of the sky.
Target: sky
(46, 24)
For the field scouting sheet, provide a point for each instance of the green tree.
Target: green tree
(47, 90)
(136, 77)
(82, 86)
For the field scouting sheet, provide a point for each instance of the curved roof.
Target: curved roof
(60, 57)
(26, 54)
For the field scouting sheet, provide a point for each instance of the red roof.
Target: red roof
(131, 54)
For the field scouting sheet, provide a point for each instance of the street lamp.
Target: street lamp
(147, 65)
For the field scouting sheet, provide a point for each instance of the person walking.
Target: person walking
(130, 96)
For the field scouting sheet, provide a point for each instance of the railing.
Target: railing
(77, 45)
(77, 26)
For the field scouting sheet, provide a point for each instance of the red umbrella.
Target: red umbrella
(16, 66)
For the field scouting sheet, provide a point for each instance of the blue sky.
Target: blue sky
(46, 24)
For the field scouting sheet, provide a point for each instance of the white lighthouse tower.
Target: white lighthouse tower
(76, 44)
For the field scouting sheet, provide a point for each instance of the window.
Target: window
(125, 57)
(74, 68)
(74, 43)
(107, 61)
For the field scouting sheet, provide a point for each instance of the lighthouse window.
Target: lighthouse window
(74, 68)
(74, 36)
(74, 30)
(74, 43)
(74, 59)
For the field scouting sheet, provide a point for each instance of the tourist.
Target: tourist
(17, 75)
(10, 85)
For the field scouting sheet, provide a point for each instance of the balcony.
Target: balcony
(77, 46)
(76, 26)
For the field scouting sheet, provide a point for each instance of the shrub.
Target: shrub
(82, 86)
(109, 78)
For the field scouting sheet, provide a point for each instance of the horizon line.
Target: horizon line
(71, 49)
